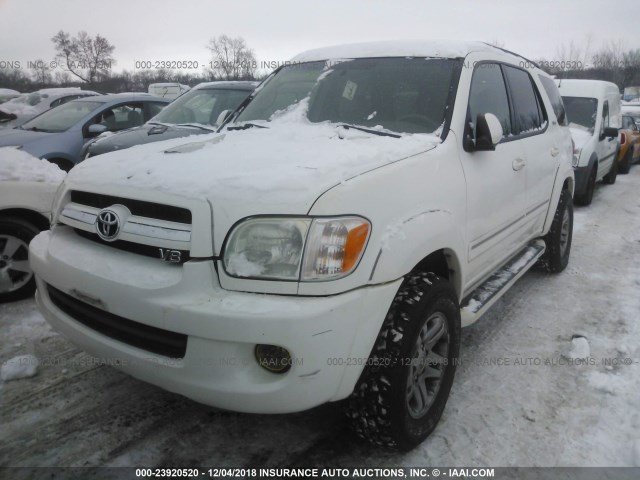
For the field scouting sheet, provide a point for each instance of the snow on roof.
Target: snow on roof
(572, 87)
(8, 91)
(19, 165)
(227, 83)
(415, 48)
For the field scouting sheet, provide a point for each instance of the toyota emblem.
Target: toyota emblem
(108, 225)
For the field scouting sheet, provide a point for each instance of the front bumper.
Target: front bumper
(329, 338)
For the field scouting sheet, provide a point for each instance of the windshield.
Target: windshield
(61, 118)
(201, 106)
(397, 94)
(581, 111)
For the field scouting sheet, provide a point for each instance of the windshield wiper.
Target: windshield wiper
(36, 129)
(370, 130)
(246, 126)
(193, 125)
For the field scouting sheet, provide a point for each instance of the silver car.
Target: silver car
(59, 134)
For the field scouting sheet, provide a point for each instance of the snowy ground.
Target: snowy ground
(537, 410)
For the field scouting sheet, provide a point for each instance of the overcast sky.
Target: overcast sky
(278, 29)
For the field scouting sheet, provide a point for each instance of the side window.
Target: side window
(120, 117)
(489, 95)
(526, 105)
(556, 100)
(153, 108)
(605, 117)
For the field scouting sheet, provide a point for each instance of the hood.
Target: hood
(580, 135)
(16, 136)
(277, 170)
(140, 135)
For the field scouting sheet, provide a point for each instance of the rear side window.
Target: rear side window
(556, 100)
(528, 111)
(489, 95)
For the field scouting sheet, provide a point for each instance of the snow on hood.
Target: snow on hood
(288, 164)
(580, 135)
(19, 165)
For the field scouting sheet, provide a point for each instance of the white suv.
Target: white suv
(364, 204)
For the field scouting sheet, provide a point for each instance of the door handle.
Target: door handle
(518, 164)
(555, 151)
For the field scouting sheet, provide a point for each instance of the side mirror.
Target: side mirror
(610, 132)
(489, 132)
(222, 117)
(96, 129)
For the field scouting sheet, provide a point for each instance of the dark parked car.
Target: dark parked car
(193, 113)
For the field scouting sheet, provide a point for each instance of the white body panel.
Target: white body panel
(422, 196)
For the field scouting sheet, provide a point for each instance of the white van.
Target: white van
(593, 112)
(171, 90)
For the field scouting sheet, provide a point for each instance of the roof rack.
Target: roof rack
(513, 53)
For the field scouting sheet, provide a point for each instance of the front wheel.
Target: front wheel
(16, 276)
(558, 240)
(587, 197)
(402, 392)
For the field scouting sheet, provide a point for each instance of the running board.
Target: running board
(479, 301)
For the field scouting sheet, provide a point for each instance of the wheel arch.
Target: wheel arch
(34, 218)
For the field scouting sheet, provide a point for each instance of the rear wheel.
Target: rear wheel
(63, 164)
(402, 392)
(558, 240)
(610, 178)
(625, 164)
(16, 276)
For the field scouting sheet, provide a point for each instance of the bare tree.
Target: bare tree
(42, 73)
(610, 59)
(62, 78)
(231, 58)
(85, 57)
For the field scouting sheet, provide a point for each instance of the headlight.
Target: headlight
(576, 156)
(298, 249)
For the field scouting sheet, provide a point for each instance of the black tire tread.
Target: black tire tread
(551, 261)
(371, 405)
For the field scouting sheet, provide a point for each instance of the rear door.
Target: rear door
(540, 141)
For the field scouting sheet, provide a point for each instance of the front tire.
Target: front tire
(558, 240)
(586, 198)
(16, 277)
(402, 392)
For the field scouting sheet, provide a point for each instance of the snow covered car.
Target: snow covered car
(7, 94)
(27, 188)
(329, 243)
(59, 134)
(593, 110)
(168, 90)
(194, 113)
(15, 112)
(629, 144)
